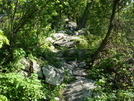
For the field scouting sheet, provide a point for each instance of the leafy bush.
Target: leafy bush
(17, 88)
(53, 91)
(115, 70)
(3, 98)
(114, 79)
(3, 39)
(116, 95)
(83, 42)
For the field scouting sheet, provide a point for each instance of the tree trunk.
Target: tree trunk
(104, 42)
(84, 18)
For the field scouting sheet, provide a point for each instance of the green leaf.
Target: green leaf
(3, 39)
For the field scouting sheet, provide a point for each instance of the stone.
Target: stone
(59, 36)
(82, 64)
(53, 75)
(67, 42)
(70, 26)
(24, 74)
(68, 68)
(30, 66)
(59, 54)
(80, 54)
(80, 32)
(25, 63)
(73, 63)
(79, 72)
(57, 99)
(79, 89)
(50, 39)
(63, 40)
(37, 69)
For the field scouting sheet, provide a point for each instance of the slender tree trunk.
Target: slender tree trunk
(104, 42)
(84, 18)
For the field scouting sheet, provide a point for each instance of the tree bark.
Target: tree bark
(104, 42)
(84, 17)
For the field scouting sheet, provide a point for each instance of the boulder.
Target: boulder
(53, 75)
(50, 39)
(30, 66)
(80, 54)
(59, 36)
(79, 72)
(79, 89)
(70, 26)
(68, 43)
(68, 68)
(63, 40)
(82, 64)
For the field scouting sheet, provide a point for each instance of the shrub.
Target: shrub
(3, 39)
(114, 78)
(17, 88)
(3, 98)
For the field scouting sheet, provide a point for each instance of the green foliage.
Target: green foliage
(3, 98)
(113, 77)
(18, 54)
(3, 39)
(115, 70)
(17, 88)
(68, 77)
(115, 95)
(27, 29)
(52, 91)
(82, 43)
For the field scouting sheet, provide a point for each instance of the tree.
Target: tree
(104, 42)
(23, 25)
(85, 15)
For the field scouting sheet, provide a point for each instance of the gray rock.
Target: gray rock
(24, 74)
(30, 66)
(77, 90)
(50, 39)
(73, 63)
(25, 63)
(37, 69)
(59, 36)
(79, 72)
(67, 42)
(64, 40)
(82, 64)
(78, 53)
(53, 75)
(80, 32)
(68, 68)
(59, 53)
(70, 26)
